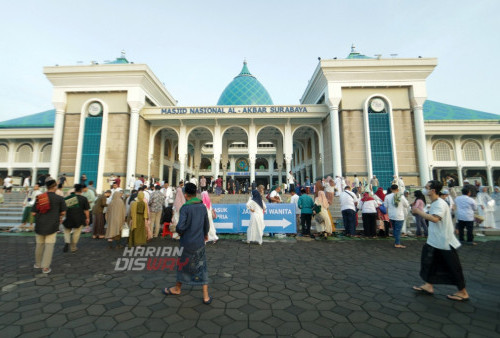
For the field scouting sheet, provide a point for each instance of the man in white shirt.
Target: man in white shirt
(138, 183)
(131, 182)
(274, 196)
(348, 203)
(291, 181)
(396, 204)
(169, 194)
(194, 180)
(295, 200)
(338, 185)
(466, 206)
(440, 263)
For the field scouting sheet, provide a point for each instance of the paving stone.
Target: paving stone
(235, 327)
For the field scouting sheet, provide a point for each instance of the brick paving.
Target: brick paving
(341, 288)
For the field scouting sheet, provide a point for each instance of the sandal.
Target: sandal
(168, 292)
(457, 298)
(422, 290)
(209, 301)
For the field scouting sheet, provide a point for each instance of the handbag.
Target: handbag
(382, 209)
(125, 230)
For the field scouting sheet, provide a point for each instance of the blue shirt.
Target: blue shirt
(465, 208)
(193, 226)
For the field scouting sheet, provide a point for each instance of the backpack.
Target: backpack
(43, 203)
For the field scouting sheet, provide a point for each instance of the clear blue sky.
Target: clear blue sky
(197, 47)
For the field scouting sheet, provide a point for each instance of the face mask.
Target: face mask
(425, 192)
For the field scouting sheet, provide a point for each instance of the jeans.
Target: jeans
(349, 218)
(470, 227)
(396, 231)
(420, 222)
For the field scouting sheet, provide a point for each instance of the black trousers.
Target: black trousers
(441, 267)
(370, 224)
(470, 227)
(305, 222)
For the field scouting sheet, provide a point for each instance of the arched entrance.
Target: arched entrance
(307, 155)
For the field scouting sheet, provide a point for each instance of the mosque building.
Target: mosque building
(358, 115)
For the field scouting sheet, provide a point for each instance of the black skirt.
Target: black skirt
(441, 267)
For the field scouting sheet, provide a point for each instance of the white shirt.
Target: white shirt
(347, 200)
(368, 207)
(169, 196)
(465, 208)
(194, 181)
(273, 194)
(7, 182)
(137, 184)
(396, 213)
(295, 200)
(26, 182)
(131, 183)
(441, 234)
(291, 180)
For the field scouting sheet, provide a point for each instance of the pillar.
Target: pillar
(55, 157)
(132, 143)
(251, 161)
(34, 173)
(458, 157)
(171, 175)
(162, 155)
(423, 165)
(335, 134)
(312, 177)
(460, 176)
(488, 160)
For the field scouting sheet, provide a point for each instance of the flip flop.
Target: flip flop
(167, 292)
(209, 301)
(457, 298)
(422, 290)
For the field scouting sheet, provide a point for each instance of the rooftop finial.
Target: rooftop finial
(244, 60)
(123, 54)
(353, 48)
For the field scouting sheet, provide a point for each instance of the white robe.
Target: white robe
(486, 209)
(256, 227)
(212, 236)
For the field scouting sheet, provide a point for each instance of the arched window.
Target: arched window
(24, 153)
(472, 151)
(45, 153)
(205, 164)
(495, 151)
(4, 153)
(443, 151)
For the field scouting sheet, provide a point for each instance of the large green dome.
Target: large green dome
(245, 89)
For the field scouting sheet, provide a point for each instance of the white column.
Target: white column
(11, 159)
(182, 150)
(182, 167)
(252, 149)
(423, 165)
(251, 161)
(55, 157)
(458, 157)
(312, 177)
(488, 160)
(288, 163)
(171, 175)
(162, 155)
(216, 166)
(335, 134)
(232, 165)
(132, 143)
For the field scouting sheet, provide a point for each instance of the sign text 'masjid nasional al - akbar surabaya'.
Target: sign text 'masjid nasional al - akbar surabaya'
(234, 110)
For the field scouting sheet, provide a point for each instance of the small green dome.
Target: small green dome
(245, 89)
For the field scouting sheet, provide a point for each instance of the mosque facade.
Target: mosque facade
(357, 116)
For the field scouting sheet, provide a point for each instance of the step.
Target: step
(9, 213)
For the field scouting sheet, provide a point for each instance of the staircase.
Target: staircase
(11, 211)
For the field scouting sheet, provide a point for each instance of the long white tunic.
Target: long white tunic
(486, 209)
(212, 236)
(256, 227)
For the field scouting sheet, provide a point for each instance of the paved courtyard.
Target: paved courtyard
(298, 288)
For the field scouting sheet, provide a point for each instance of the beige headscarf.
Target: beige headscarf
(138, 207)
(323, 200)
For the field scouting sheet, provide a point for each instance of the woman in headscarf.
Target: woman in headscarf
(98, 215)
(317, 188)
(212, 236)
(178, 203)
(329, 189)
(368, 206)
(486, 208)
(139, 216)
(496, 197)
(324, 216)
(382, 218)
(256, 227)
(115, 217)
(420, 204)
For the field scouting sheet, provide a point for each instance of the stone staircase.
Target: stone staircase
(11, 210)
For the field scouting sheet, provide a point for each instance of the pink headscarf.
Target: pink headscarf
(323, 200)
(206, 199)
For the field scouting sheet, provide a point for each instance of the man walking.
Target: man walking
(156, 202)
(48, 210)
(466, 206)
(348, 202)
(440, 263)
(193, 226)
(76, 217)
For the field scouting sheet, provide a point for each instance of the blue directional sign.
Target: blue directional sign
(235, 218)
(227, 220)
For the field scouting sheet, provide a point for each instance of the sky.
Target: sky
(197, 47)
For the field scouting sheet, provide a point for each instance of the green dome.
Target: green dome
(245, 89)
